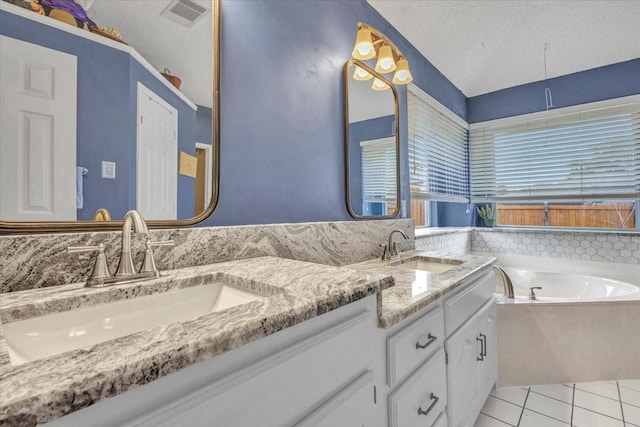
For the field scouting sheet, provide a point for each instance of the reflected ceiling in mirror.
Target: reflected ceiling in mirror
(371, 143)
(122, 117)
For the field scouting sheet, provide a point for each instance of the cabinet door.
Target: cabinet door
(463, 350)
(441, 421)
(487, 317)
(351, 406)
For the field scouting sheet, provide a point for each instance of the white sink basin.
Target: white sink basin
(428, 264)
(45, 336)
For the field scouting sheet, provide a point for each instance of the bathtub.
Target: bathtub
(582, 327)
(564, 287)
(564, 280)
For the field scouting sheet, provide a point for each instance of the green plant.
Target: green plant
(487, 213)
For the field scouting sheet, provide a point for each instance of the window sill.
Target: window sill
(423, 232)
(629, 232)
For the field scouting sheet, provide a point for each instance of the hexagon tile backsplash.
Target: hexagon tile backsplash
(587, 245)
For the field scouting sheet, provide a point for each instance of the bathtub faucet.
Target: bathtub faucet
(506, 282)
(532, 294)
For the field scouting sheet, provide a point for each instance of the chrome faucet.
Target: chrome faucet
(131, 218)
(506, 282)
(391, 249)
(126, 272)
(532, 294)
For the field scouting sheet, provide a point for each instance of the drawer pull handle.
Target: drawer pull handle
(435, 400)
(481, 357)
(430, 341)
(484, 347)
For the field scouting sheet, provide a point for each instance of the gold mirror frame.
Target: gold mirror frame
(346, 77)
(9, 227)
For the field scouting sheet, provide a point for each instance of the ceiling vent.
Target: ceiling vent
(185, 12)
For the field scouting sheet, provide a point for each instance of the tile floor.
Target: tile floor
(598, 404)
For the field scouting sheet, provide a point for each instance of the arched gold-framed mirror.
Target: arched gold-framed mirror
(143, 72)
(372, 143)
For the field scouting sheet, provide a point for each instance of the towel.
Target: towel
(80, 171)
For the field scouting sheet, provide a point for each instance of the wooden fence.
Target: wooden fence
(620, 215)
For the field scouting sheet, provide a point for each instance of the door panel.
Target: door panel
(463, 350)
(157, 157)
(487, 318)
(38, 133)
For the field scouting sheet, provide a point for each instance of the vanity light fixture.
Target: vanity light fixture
(403, 74)
(385, 63)
(363, 49)
(361, 74)
(379, 85)
(370, 44)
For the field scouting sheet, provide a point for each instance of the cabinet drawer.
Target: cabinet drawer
(462, 305)
(413, 344)
(420, 400)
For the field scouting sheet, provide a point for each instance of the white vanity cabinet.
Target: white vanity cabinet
(472, 351)
(311, 374)
(416, 384)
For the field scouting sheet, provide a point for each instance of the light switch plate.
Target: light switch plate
(109, 170)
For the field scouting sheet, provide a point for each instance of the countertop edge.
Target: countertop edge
(85, 379)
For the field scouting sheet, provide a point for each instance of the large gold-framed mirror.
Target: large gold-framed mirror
(372, 143)
(95, 123)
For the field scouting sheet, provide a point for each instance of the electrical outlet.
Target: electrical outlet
(109, 170)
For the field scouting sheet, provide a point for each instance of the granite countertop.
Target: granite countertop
(45, 389)
(414, 289)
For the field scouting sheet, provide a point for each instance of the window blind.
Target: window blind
(584, 155)
(379, 170)
(438, 154)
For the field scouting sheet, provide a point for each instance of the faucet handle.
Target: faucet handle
(394, 250)
(149, 263)
(532, 294)
(385, 254)
(100, 269)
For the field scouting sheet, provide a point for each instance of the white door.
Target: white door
(488, 328)
(463, 350)
(37, 133)
(157, 157)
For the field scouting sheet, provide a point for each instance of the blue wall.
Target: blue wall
(204, 124)
(597, 84)
(366, 130)
(106, 116)
(282, 152)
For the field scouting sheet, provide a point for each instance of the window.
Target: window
(577, 167)
(594, 214)
(379, 176)
(438, 155)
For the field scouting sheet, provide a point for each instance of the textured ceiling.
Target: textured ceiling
(483, 46)
(187, 52)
